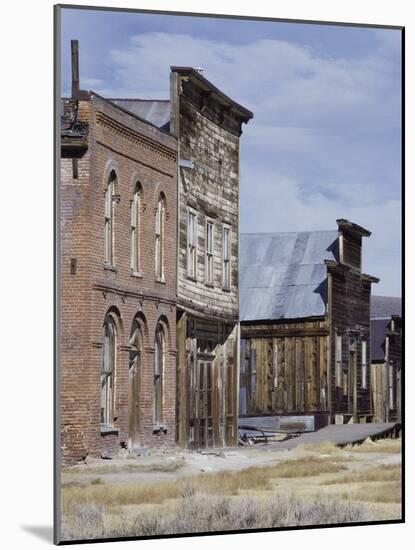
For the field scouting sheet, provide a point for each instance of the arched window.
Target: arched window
(108, 372)
(159, 248)
(158, 376)
(136, 230)
(109, 219)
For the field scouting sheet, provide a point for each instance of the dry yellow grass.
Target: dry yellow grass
(225, 483)
(383, 473)
(389, 492)
(380, 446)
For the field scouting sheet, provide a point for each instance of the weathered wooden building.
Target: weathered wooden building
(305, 327)
(386, 368)
(207, 125)
(117, 320)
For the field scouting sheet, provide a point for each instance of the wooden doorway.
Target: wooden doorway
(203, 406)
(134, 373)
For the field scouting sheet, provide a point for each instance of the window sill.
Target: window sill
(226, 289)
(136, 274)
(162, 281)
(210, 285)
(107, 430)
(159, 429)
(109, 267)
(191, 278)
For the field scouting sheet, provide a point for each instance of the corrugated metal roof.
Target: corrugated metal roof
(385, 306)
(378, 329)
(283, 275)
(156, 111)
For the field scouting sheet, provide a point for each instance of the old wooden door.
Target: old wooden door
(203, 421)
(134, 387)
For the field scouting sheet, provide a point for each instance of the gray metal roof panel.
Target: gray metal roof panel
(385, 306)
(283, 275)
(156, 111)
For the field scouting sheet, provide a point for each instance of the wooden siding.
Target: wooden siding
(386, 380)
(284, 368)
(350, 318)
(207, 383)
(351, 250)
(211, 190)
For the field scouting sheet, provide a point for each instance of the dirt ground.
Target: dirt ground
(365, 480)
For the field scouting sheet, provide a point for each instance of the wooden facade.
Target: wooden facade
(208, 127)
(318, 364)
(386, 370)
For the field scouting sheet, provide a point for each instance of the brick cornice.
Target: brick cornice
(135, 137)
(108, 286)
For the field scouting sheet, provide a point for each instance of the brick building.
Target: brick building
(118, 279)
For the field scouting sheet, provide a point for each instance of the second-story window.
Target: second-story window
(209, 252)
(159, 249)
(135, 230)
(109, 200)
(226, 258)
(191, 243)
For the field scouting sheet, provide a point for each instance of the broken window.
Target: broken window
(109, 200)
(226, 258)
(135, 230)
(158, 376)
(160, 223)
(209, 252)
(191, 243)
(338, 361)
(364, 368)
(107, 373)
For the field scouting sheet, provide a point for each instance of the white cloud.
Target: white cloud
(323, 142)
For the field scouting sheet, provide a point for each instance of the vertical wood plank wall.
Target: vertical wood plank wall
(284, 368)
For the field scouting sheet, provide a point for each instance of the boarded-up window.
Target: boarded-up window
(338, 361)
(107, 373)
(226, 257)
(109, 200)
(159, 248)
(209, 252)
(158, 376)
(135, 230)
(191, 243)
(364, 367)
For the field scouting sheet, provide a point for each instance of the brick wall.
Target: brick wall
(137, 152)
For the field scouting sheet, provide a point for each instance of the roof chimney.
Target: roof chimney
(75, 68)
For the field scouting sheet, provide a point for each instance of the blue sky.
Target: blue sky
(325, 141)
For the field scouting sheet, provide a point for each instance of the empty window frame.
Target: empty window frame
(364, 365)
(338, 360)
(210, 228)
(109, 200)
(136, 231)
(160, 230)
(158, 376)
(191, 243)
(226, 270)
(108, 373)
